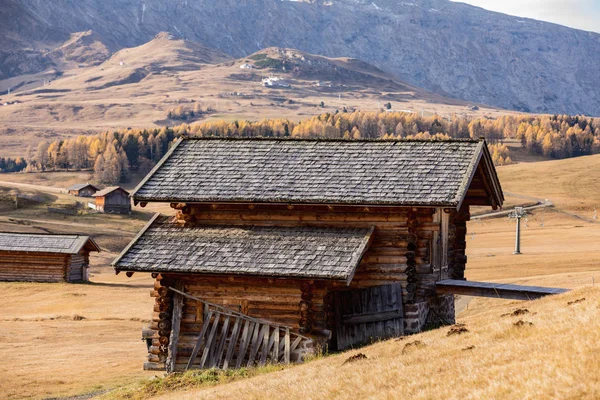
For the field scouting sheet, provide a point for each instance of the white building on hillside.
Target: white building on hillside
(274, 81)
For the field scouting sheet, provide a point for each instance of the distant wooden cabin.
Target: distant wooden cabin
(113, 200)
(82, 190)
(45, 257)
(279, 246)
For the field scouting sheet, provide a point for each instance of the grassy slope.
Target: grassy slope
(572, 184)
(76, 103)
(558, 356)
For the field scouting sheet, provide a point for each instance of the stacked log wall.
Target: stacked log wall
(457, 258)
(33, 267)
(274, 300)
(395, 246)
(160, 324)
(76, 271)
(401, 250)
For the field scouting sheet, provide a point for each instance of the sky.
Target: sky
(581, 14)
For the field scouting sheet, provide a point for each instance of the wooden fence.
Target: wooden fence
(230, 339)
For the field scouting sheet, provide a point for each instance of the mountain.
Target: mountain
(82, 49)
(450, 48)
(161, 82)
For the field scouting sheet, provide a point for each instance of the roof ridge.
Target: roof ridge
(43, 234)
(335, 140)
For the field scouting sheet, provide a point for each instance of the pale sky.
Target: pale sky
(581, 14)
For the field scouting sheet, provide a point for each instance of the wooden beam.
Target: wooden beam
(209, 342)
(232, 342)
(199, 341)
(175, 328)
(494, 290)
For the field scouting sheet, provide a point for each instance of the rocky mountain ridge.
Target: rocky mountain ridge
(450, 48)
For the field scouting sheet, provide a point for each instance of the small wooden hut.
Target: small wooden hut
(82, 190)
(45, 257)
(113, 200)
(281, 245)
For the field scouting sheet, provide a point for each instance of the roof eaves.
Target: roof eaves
(156, 168)
(468, 177)
(93, 244)
(297, 201)
(357, 257)
(495, 181)
(134, 241)
(81, 242)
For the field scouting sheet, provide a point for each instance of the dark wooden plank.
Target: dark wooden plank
(287, 352)
(175, 328)
(267, 344)
(246, 335)
(371, 317)
(256, 341)
(196, 349)
(295, 343)
(216, 359)
(398, 299)
(210, 340)
(276, 348)
(232, 342)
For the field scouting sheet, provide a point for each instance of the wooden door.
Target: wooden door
(366, 315)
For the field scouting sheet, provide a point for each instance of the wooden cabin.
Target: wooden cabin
(82, 190)
(303, 243)
(44, 257)
(113, 200)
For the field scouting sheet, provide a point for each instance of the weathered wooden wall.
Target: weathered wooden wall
(400, 250)
(116, 202)
(33, 267)
(77, 270)
(43, 267)
(457, 244)
(406, 247)
(280, 301)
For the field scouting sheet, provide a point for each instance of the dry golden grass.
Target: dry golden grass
(557, 356)
(572, 184)
(61, 180)
(65, 339)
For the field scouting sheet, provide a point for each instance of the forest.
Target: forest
(115, 155)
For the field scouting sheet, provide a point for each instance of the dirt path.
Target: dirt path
(88, 227)
(41, 188)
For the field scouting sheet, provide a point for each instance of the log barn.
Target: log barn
(82, 190)
(113, 200)
(278, 246)
(45, 257)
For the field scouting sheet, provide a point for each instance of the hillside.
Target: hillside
(144, 86)
(489, 355)
(447, 47)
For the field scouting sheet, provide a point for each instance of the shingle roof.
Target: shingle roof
(79, 186)
(405, 172)
(45, 243)
(316, 253)
(108, 190)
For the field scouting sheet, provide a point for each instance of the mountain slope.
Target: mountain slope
(161, 82)
(450, 48)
